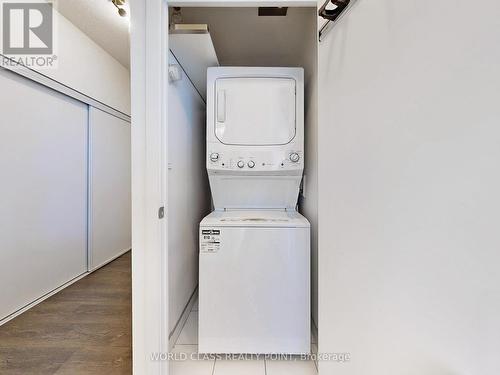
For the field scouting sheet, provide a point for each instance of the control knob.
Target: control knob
(251, 164)
(214, 156)
(240, 164)
(294, 157)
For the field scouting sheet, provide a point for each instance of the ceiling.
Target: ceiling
(100, 21)
(241, 37)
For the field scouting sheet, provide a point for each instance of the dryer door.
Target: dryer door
(255, 111)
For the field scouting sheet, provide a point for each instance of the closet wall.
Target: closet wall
(409, 182)
(84, 66)
(188, 190)
(65, 162)
(242, 38)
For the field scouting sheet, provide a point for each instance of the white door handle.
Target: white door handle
(221, 105)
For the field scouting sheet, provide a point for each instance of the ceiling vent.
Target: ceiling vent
(272, 11)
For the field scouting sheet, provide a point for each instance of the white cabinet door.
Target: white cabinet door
(43, 191)
(110, 188)
(409, 187)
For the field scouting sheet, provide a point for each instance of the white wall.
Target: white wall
(409, 178)
(85, 67)
(188, 190)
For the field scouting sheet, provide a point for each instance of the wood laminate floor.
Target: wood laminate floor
(84, 329)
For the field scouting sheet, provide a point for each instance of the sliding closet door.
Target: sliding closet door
(110, 185)
(43, 190)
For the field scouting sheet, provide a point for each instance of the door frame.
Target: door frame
(149, 94)
(148, 40)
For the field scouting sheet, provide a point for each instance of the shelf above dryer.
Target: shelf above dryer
(192, 46)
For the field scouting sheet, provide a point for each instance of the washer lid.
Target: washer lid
(255, 218)
(255, 111)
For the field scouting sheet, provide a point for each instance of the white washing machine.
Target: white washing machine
(254, 290)
(254, 282)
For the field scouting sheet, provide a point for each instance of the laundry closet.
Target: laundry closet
(274, 43)
(400, 183)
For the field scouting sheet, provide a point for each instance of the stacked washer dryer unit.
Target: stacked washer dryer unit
(254, 291)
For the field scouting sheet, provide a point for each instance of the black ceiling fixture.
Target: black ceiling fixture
(332, 9)
(272, 11)
(118, 4)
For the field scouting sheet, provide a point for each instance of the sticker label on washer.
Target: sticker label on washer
(210, 240)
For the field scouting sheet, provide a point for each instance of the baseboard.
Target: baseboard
(110, 259)
(174, 335)
(41, 299)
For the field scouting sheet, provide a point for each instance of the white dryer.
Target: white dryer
(255, 136)
(254, 290)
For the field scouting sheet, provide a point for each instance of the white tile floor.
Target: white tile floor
(187, 343)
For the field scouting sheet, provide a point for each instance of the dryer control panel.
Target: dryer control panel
(291, 159)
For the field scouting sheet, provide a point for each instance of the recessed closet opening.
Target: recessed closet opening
(199, 38)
